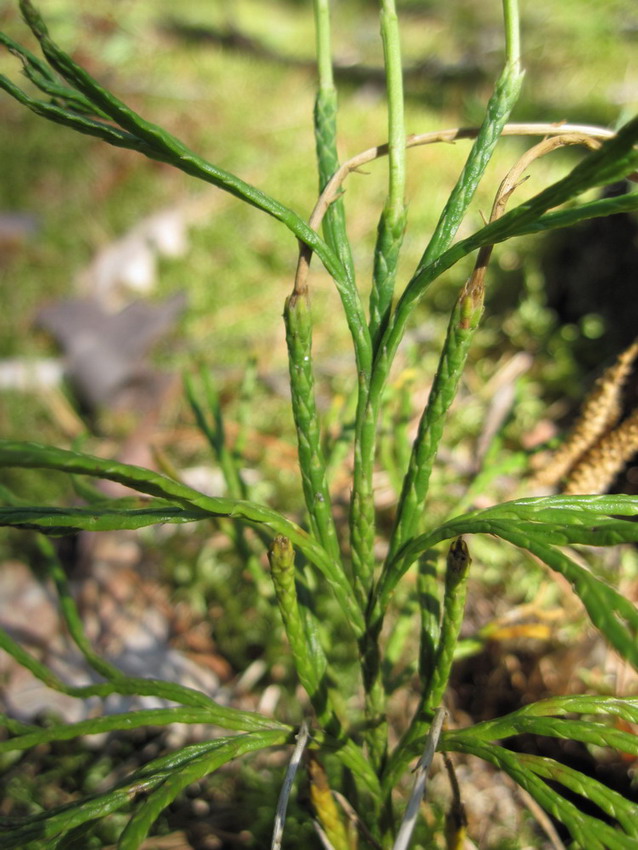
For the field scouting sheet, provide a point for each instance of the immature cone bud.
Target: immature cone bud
(282, 569)
(281, 555)
(458, 562)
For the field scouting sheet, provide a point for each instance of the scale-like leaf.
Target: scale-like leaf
(147, 813)
(530, 772)
(589, 732)
(47, 826)
(571, 510)
(58, 521)
(539, 526)
(34, 455)
(226, 717)
(612, 613)
(120, 722)
(625, 708)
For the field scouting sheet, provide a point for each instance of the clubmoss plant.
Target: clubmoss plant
(347, 564)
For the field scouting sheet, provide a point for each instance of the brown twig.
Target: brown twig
(334, 187)
(512, 180)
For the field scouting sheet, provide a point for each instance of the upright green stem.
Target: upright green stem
(498, 110)
(390, 236)
(512, 32)
(396, 127)
(321, 9)
(463, 324)
(435, 683)
(466, 317)
(307, 653)
(500, 105)
(334, 224)
(311, 459)
(393, 218)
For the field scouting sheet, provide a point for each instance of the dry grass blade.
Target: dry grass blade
(282, 803)
(587, 446)
(512, 180)
(407, 826)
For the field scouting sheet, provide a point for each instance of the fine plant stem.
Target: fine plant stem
(393, 218)
(70, 612)
(512, 24)
(396, 125)
(463, 324)
(335, 224)
(389, 239)
(244, 413)
(215, 433)
(321, 10)
(348, 696)
(456, 574)
(325, 115)
(498, 110)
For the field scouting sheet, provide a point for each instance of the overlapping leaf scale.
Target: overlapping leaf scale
(624, 708)
(59, 521)
(534, 720)
(567, 509)
(531, 773)
(612, 613)
(541, 525)
(193, 504)
(188, 764)
(126, 721)
(147, 813)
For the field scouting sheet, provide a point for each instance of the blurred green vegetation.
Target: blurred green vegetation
(253, 115)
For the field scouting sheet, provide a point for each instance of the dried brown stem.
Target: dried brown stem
(334, 187)
(512, 180)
